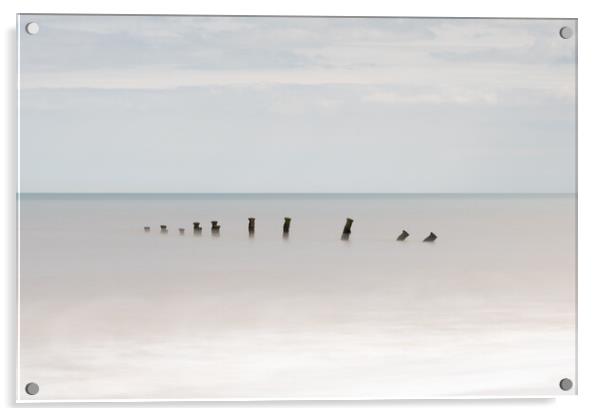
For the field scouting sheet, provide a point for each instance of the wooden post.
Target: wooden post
(164, 229)
(287, 226)
(196, 228)
(251, 226)
(431, 237)
(347, 229)
(403, 236)
(215, 228)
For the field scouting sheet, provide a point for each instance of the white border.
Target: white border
(590, 199)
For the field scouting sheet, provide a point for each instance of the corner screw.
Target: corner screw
(566, 32)
(566, 384)
(32, 389)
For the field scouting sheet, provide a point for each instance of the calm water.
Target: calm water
(111, 312)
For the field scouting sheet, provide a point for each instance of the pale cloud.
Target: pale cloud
(458, 97)
(469, 96)
(495, 78)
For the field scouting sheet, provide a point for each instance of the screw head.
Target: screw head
(566, 384)
(32, 389)
(566, 32)
(32, 28)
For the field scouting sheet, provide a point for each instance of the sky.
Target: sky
(279, 104)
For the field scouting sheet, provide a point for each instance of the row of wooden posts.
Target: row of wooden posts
(215, 227)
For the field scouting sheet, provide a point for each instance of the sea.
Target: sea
(109, 311)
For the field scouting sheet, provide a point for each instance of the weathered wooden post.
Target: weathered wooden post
(431, 237)
(181, 230)
(147, 229)
(286, 227)
(215, 228)
(403, 236)
(251, 226)
(164, 229)
(196, 228)
(347, 229)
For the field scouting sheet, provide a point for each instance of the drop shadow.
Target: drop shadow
(385, 403)
(12, 216)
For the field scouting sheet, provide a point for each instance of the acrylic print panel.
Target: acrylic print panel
(279, 129)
